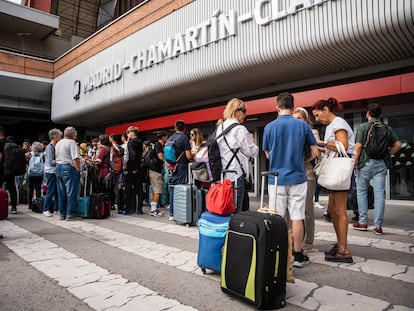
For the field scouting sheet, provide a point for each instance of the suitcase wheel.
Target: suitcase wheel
(203, 270)
(282, 303)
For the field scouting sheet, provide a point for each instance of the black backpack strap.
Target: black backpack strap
(234, 156)
(371, 126)
(228, 129)
(180, 155)
(234, 151)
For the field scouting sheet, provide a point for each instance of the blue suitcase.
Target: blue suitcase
(82, 208)
(212, 230)
(84, 202)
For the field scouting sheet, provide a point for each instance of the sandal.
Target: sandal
(339, 257)
(332, 251)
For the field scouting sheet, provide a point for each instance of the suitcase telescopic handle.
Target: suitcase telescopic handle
(265, 174)
(224, 172)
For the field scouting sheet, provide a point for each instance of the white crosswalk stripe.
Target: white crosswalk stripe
(97, 287)
(308, 295)
(376, 267)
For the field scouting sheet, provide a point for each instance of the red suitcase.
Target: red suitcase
(4, 204)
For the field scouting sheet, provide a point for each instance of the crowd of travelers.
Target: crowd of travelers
(136, 172)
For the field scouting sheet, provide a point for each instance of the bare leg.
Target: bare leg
(297, 234)
(340, 220)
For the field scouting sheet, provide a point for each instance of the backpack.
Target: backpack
(36, 165)
(116, 159)
(377, 140)
(14, 160)
(169, 152)
(213, 159)
(134, 150)
(150, 159)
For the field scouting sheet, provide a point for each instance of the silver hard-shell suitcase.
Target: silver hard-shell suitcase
(188, 202)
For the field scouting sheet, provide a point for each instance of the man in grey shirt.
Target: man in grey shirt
(67, 173)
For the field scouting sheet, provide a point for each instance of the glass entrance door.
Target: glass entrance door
(402, 172)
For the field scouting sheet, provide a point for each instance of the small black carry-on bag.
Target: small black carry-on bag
(100, 206)
(255, 258)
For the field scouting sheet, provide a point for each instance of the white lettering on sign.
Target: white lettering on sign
(102, 77)
(219, 27)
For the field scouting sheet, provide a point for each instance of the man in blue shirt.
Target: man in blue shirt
(284, 141)
(179, 171)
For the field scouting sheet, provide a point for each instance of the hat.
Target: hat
(147, 143)
(83, 147)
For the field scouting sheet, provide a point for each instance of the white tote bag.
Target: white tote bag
(336, 169)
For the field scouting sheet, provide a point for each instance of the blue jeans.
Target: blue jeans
(51, 194)
(68, 180)
(374, 170)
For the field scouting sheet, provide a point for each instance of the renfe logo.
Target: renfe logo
(220, 26)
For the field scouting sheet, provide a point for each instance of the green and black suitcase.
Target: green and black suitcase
(255, 258)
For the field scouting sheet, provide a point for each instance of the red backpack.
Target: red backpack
(220, 199)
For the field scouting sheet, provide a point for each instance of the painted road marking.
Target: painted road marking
(95, 286)
(302, 293)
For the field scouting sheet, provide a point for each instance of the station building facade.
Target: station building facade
(167, 60)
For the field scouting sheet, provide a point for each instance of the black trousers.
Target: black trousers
(35, 185)
(11, 187)
(134, 192)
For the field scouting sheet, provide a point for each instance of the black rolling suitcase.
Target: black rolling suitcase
(100, 205)
(255, 259)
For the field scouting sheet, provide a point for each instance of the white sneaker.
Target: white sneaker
(47, 214)
(300, 260)
(171, 218)
(318, 205)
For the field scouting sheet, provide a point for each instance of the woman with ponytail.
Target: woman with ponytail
(325, 112)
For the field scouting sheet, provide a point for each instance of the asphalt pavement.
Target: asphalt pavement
(150, 263)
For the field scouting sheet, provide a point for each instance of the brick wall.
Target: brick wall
(135, 20)
(25, 65)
